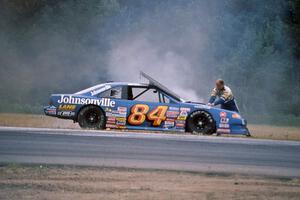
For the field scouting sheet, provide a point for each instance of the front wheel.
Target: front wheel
(91, 117)
(201, 122)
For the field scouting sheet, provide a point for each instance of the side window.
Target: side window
(115, 92)
(164, 98)
(144, 94)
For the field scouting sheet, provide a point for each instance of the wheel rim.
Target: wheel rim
(92, 118)
(201, 123)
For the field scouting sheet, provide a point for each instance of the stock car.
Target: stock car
(142, 106)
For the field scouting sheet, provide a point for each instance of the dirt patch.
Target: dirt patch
(37, 121)
(65, 182)
(274, 132)
(42, 121)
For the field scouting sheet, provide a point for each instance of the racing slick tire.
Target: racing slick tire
(91, 117)
(201, 122)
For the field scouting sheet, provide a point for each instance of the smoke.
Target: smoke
(188, 45)
(136, 53)
(166, 40)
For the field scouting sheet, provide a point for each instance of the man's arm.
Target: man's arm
(212, 99)
(213, 96)
(219, 101)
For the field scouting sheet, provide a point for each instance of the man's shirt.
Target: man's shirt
(225, 99)
(225, 94)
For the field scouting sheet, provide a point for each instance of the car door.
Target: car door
(149, 108)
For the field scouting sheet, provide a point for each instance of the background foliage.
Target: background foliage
(62, 46)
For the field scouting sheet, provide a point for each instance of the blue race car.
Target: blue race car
(136, 106)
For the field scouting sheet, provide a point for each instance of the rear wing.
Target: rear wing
(157, 84)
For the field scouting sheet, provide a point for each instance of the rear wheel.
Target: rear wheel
(91, 117)
(201, 122)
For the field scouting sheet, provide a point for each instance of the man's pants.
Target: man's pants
(230, 105)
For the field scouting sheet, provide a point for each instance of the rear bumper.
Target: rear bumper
(50, 111)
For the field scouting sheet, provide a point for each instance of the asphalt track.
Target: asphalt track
(150, 150)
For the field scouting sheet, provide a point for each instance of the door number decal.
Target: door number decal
(140, 112)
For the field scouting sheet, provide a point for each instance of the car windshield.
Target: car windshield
(95, 89)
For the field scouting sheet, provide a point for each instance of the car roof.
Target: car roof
(152, 83)
(104, 86)
(125, 84)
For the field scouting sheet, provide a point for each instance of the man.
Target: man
(222, 95)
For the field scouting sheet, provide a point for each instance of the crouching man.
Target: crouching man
(222, 95)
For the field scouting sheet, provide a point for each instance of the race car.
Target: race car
(142, 106)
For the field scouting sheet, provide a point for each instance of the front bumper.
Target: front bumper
(50, 110)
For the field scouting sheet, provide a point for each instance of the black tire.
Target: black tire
(91, 117)
(201, 122)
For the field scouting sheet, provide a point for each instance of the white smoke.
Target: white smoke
(136, 53)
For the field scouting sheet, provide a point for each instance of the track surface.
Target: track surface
(150, 150)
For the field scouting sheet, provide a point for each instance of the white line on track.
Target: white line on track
(147, 135)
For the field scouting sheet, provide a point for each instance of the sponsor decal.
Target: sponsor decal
(180, 121)
(171, 119)
(224, 126)
(122, 109)
(180, 125)
(111, 126)
(67, 107)
(183, 113)
(203, 106)
(66, 113)
(121, 123)
(117, 113)
(185, 109)
(121, 119)
(108, 110)
(224, 120)
(51, 110)
(173, 108)
(111, 120)
(108, 114)
(172, 114)
(81, 100)
(169, 123)
(223, 130)
(223, 114)
(181, 117)
(122, 113)
(100, 90)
